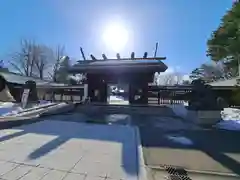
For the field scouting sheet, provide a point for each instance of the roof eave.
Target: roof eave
(150, 67)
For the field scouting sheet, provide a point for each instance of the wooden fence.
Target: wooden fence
(167, 96)
(54, 93)
(66, 94)
(157, 95)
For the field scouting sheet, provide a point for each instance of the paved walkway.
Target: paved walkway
(211, 151)
(70, 150)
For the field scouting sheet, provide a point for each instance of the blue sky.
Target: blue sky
(181, 27)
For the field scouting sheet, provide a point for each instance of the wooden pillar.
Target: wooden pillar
(90, 92)
(144, 87)
(103, 91)
(90, 81)
(85, 92)
(131, 93)
(97, 83)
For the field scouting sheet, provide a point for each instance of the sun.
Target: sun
(115, 37)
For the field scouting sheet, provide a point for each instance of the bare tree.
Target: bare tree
(32, 59)
(2, 67)
(169, 79)
(43, 59)
(37, 60)
(22, 61)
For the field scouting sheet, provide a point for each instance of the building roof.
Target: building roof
(19, 79)
(227, 82)
(121, 65)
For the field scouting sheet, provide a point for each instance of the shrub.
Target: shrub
(235, 97)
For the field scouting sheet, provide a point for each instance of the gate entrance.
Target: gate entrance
(118, 94)
(123, 79)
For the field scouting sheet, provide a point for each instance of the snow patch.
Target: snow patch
(230, 114)
(7, 107)
(230, 119)
(229, 125)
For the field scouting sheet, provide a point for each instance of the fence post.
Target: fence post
(158, 97)
(61, 96)
(85, 95)
(52, 96)
(71, 96)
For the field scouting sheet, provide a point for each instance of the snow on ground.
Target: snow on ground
(231, 114)
(230, 117)
(117, 100)
(9, 108)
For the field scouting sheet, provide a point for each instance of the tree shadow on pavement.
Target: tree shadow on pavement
(65, 131)
(216, 144)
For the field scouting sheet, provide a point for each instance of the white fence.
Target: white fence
(63, 93)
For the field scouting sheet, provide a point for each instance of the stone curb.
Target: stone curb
(143, 174)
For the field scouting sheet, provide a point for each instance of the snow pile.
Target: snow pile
(117, 100)
(231, 114)
(9, 107)
(230, 119)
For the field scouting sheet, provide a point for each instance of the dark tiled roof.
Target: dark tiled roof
(227, 82)
(121, 65)
(19, 79)
(117, 62)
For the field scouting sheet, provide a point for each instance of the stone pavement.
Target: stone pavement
(209, 151)
(70, 150)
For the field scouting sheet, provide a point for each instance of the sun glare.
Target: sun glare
(115, 37)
